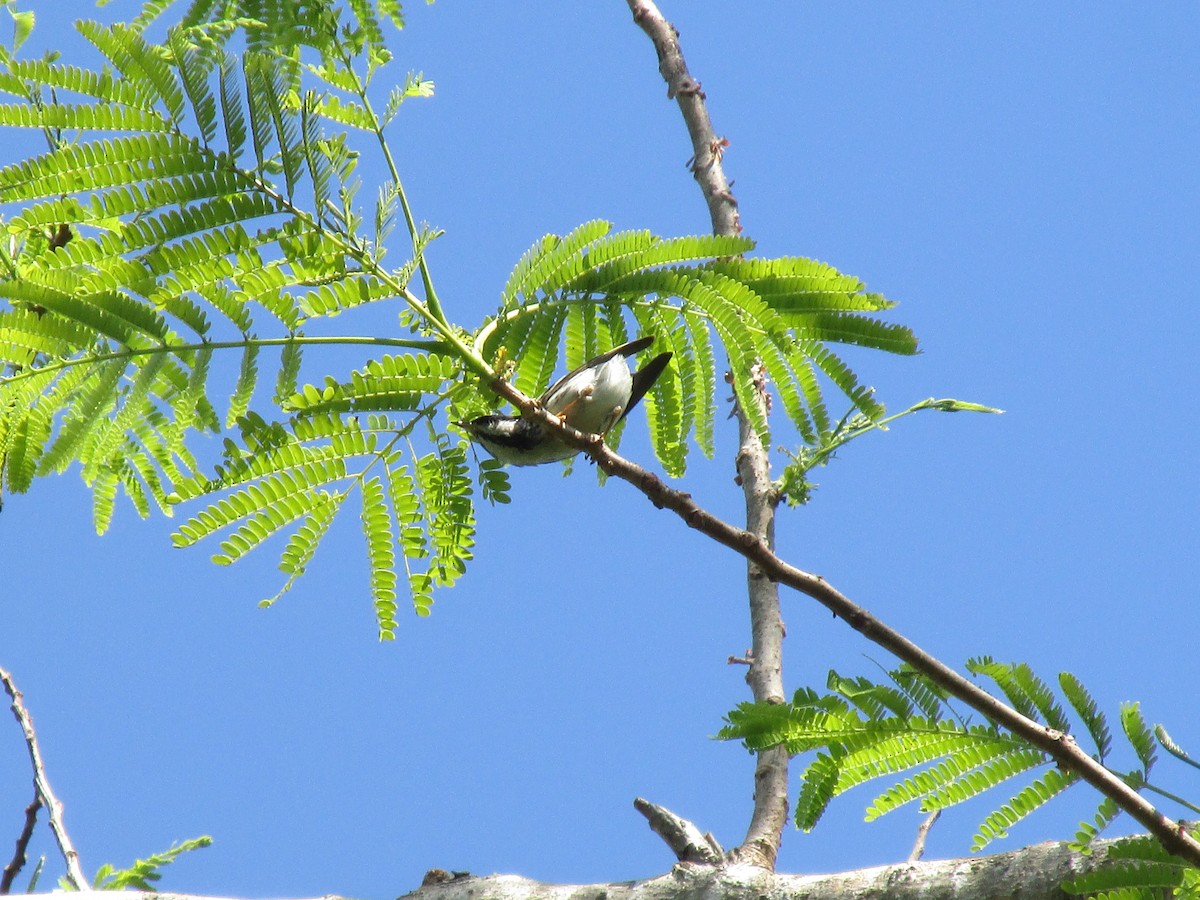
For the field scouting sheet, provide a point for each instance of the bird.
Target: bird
(592, 399)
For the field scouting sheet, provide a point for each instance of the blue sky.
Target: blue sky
(1021, 177)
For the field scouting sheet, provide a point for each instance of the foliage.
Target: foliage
(773, 318)
(198, 205)
(863, 730)
(141, 875)
(1138, 868)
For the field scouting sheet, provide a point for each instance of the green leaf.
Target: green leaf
(144, 872)
(864, 730)
(1029, 799)
(243, 391)
(377, 529)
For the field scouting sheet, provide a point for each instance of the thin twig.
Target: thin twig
(765, 674)
(1059, 746)
(53, 806)
(19, 854)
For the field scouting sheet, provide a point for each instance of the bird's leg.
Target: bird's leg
(614, 418)
(583, 394)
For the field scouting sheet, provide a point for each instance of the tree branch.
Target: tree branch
(765, 674)
(927, 823)
(1059, 746)
(19, 854)
(1033, 872)
(683, 837)
(53, 806)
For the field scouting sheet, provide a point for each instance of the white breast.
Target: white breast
(594, 398)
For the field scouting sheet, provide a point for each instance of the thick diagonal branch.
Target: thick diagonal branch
(53, 806)
(1059, 746)
(765, 676)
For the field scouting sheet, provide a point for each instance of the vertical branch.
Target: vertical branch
(707, 148)
(765, 676)
(53, 806)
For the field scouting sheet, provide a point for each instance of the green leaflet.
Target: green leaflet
(445, 484)
(551, 262)
(1026, 692)
(302, 545)
(405, 498)
(1029, 799)
(149, 163)
(268, 519)
(233, 117)
(700, 380)
(334, 297)
(391, 383)
(100, 85)
(142, 66)
(269, 497)
(289, 373)
(537, 356)
(194, 66)
(88, 118)
(415, 85)
(243, 391)
(668, 416)
(342, 111)
(970, 769)
(1138, 734)
(377, 529)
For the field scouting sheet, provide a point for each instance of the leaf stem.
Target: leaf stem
(1165, 793)
(432, 302)
(428, 345)
(858, 429)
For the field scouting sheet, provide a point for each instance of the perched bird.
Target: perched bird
(591, 399)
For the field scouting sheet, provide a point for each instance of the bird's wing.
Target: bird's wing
(627, 349)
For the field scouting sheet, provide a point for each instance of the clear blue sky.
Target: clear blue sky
(1023, 178)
